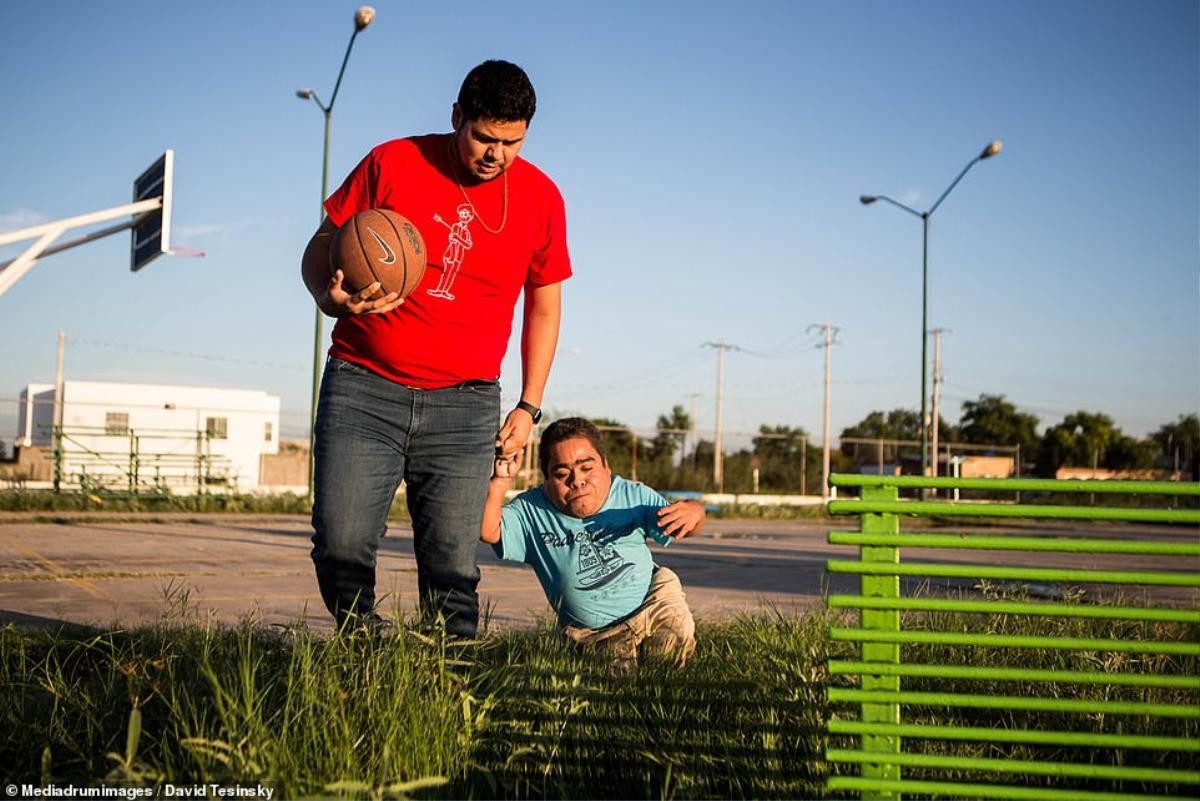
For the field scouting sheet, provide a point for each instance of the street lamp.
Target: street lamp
(992, 149)
(362, 18)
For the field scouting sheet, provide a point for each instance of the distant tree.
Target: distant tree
(618, 445)
(656, 457)
(1128, 453)
(781, 452)
(1078, 441)
(896, 424)
(947, 431)
(992, 420)
(1087, 439)
(737, 471)
(704, 453)
(672, 433)
(1178, 445)
(696, 471)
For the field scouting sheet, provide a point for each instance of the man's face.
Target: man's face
(578, 480)
(486, 148)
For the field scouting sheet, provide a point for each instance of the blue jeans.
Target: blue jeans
(372, 432)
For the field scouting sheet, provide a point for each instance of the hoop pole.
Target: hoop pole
(46, 233)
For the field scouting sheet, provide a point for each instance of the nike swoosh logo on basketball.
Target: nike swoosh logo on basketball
(390, 258)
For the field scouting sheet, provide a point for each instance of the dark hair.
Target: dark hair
(497, 90)
(564, 429)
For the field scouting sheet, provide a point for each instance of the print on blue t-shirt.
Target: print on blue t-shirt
(594, 570)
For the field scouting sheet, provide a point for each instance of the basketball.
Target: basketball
(378, 245)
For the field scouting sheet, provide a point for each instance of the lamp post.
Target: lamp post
(362, 18)
(992, 149)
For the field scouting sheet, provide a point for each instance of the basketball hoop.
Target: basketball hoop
(148, 217)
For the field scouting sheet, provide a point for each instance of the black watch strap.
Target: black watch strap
(534, 411)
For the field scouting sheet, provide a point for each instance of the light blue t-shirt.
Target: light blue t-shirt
(594, 570)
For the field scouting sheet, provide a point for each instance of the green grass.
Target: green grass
(229, 706)
(107, 503)
(49, 501)
(521, 715)
(754, 511)
(286, 503)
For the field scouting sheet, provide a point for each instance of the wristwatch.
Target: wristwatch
(534, 411)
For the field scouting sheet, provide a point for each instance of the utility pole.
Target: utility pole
(829, 332)
(718, 453)
(937, 382)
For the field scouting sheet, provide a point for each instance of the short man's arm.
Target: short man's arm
(539, 337)
(327, 290)
(502, 475)
(682, 519)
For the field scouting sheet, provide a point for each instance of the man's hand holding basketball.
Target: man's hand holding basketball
(681, 519)
(337, 302)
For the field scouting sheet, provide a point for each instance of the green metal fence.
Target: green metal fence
(144, 461)
(996, 669)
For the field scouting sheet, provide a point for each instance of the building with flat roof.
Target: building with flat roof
(142, 437)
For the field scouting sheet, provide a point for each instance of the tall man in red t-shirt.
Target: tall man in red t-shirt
(411, 387)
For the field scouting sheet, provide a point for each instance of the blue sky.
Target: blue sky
(711, 158)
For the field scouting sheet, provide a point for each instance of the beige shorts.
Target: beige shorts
(662, 626)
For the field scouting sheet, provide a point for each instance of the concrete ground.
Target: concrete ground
(129, 570)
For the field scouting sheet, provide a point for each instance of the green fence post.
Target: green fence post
(881, 620)
(58, 458)
(133, 463)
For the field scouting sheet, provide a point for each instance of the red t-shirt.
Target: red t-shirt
(455, 325)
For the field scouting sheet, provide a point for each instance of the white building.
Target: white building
(143, 435)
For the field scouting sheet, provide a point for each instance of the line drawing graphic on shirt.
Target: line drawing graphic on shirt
(389, 255)
(458, 242)
(599, 565)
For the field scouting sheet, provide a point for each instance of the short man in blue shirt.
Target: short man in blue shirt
(584, 533)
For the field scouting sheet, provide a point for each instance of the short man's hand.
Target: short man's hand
(337, 302)
(514, 433)
(506, 467)
(681, 519)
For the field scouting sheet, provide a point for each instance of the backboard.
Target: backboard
(152, 236)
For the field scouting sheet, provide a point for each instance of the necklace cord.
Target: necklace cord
(463, 190)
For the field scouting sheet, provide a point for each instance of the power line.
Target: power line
(181, 354)
(790, 347)
(653, 374)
